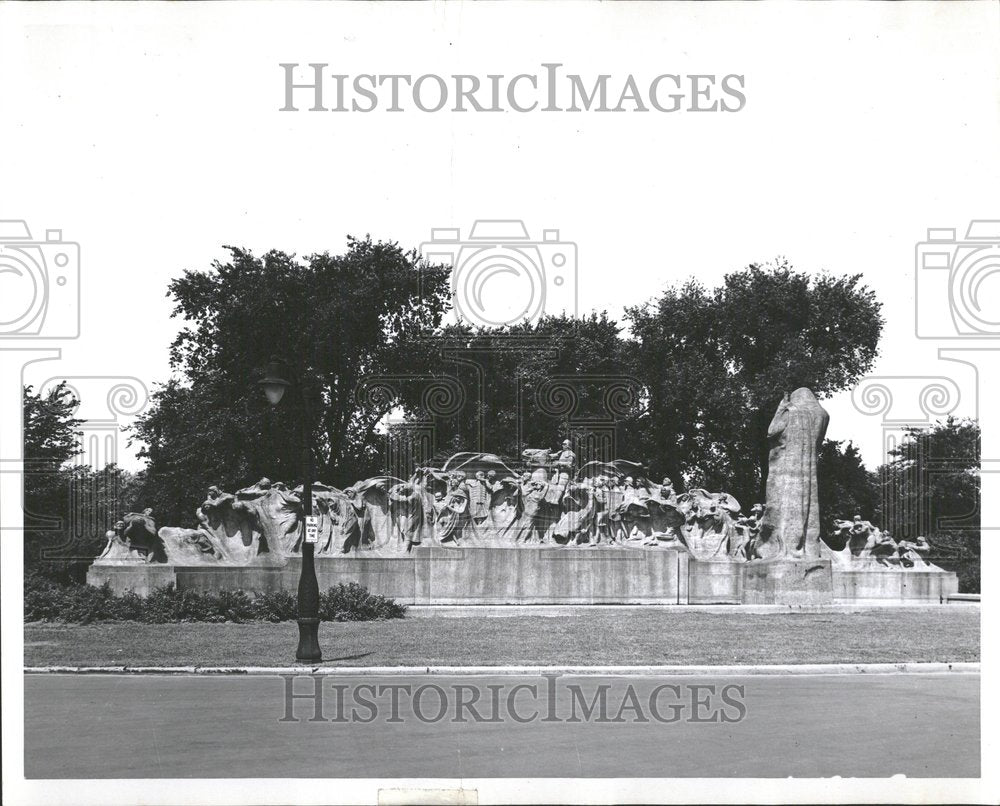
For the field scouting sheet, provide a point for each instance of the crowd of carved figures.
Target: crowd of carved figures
(477, 500)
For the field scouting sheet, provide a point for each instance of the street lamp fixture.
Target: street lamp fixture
(275, 381)
(277, 378)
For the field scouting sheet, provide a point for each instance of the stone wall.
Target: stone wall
(890, 586)
(498, 576)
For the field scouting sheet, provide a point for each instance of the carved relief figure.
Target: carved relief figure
(408, 507)
(536, 510)
(747, 530)
(454, 520)
(277, 514)
(912, 553)
(479, 498)
(576, 525)
(119, 548)
(140, 531)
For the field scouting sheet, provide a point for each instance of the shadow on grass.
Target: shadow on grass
(350, 657)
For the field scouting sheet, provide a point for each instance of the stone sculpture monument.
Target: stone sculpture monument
(790, 526)
(789, 536)
(504, 518)
(859, 544)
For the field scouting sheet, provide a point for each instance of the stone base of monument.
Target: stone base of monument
(259, 579)
(550, 576)
(141, 579)
(505, 576)
(544, 575)
(893, 586)
(454, 576)
(787, 582)
(714, 582)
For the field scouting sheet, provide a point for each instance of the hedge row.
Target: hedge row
(47, 600)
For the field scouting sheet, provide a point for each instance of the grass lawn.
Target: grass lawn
(948, 633)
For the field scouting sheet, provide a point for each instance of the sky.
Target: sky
(153, 138)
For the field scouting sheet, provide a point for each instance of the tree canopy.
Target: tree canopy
(690, 391)
(51, 429)
(717, 362)
(67, 506)
(931, 487)
(335, 319)
(846, 487)
(524, 385)
(687, 383)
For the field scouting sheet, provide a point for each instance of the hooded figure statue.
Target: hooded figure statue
(790, 527)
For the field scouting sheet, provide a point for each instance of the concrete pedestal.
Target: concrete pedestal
(788, 582)
(504, 576)
(435, 575)
(893, 586)
(140, 579)
(714, 582)
(448, 576)
(497, 576)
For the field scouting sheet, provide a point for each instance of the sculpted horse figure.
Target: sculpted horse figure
(578, 523)
(259, 524)
(710, 531)
(133, 540)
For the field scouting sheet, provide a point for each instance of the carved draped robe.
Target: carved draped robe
(790, 527)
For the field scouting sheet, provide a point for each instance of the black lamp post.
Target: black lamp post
(276, 380)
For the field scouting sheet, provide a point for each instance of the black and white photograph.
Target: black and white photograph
(499, 403)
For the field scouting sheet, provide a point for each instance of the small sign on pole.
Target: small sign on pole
(312, 529)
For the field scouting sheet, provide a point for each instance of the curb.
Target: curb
(580, 671)
(562, 610)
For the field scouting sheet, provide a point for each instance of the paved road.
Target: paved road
(98, 726)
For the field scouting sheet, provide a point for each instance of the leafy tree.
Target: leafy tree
(51, 431)
(67, 507)
(846, 487)
(693, 386)
(524, 385)
(694, 420)
(931, 486)
(705, 379)
(716, 363)
(336, 320)
(784, 329)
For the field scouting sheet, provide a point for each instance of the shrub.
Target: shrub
(41, 598)
(48, 600)
(275, 606)
(353, 602)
